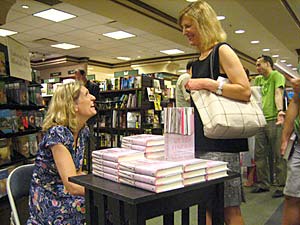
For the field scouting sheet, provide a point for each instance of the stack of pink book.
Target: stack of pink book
(153, 175)
(105, 163)
(216, 169)
(152, 145)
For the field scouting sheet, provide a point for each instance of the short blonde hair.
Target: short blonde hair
(61, 109)
(209, 26)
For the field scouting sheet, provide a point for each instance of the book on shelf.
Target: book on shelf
(194, 173)
(216, 175)
(153, 188)
(3, 178)
(118, 154)
(150, 92)
(106, 163)
(5, 150)
(194, 180)
(155, 168)
(106, 175)
(213, 166)
(105, 169)
(150, 179)
(290, 146)
(3, 98)
(193, 164)
(144, 139)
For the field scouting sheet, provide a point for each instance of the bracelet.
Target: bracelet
(279, 110)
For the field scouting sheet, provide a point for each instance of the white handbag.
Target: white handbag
(225, 118)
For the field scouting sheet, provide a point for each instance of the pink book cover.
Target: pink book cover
(151, 155)
(149, 179)
(194, 180)
(106, 176)
(153, 188)
(194, 173)
(144, 139)
(193, 164)
(155, 168)
(106, 170)
(155, 148)
(216, 166)
(216, 175)
(117, 154)
(106, 163)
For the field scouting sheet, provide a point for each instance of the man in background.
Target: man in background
(268, 139)
(93, 88)
(183, 98)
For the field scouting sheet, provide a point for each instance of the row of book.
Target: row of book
(131, 100)
(25, 145)
(20, 93)
(120, 83)
(131, 167)
(12, 121)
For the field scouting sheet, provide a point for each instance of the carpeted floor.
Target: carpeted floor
(275, 219)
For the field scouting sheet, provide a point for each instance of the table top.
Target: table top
(134, 195)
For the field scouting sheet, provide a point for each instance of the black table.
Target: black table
(125, 204)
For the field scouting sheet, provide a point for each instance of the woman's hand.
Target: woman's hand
(201, 83)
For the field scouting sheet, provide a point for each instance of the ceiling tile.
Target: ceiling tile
(79, 23)
(15, 26)
(59, 28)
(101, 29)
(35, 21)
(14, 15)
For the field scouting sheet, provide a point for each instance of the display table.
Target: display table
(123, 203)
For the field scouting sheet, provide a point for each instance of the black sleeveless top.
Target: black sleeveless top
(201, 69)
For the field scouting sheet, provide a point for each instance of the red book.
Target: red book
(155, 168)
(117, 154)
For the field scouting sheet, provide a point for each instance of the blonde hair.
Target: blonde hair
(61, 109)
(209, 26)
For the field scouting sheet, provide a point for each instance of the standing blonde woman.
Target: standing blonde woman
(202, 29)
(53, 199)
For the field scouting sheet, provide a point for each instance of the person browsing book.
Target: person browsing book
(200, 25)
(52, 198)
(267, 140)
(183, 98)
(291, 208)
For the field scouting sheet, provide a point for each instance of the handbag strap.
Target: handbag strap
(212, 60)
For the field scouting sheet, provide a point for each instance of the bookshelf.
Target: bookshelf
(130, 110)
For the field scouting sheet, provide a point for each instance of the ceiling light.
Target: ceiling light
(221, 17)
(181, 71)
(54, 15)
(172, 51)
(25, 6)
(275, 56)
(266, 50)
(254, 42)
(191, 0)
(294, 68)
(119, 35)
(123, 58)
(239, 31)
(289, 65)
(4, 33)
(65, 46)
(283, 60)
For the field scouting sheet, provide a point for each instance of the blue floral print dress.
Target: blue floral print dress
(49, 202)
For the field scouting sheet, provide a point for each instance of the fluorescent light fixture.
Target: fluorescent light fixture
(123, 58)
(289, 65)
(254, 42)
(25, 6)
(54, 15)
(119, 35)
(65, 46)
(191, 0)
(240, 31)
(4, 33)
(275, 56)
(283, 60)
(181, 71)
(294, 68)
(266, 50)
(172, 51)
(221, 17)
(281, 67)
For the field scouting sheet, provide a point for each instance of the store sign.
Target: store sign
(126, 73)
(55, 74)
(19, 61)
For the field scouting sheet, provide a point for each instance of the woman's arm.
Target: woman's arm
(66, 168)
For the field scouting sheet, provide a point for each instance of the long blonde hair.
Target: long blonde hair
(61, 109)
(209, 26)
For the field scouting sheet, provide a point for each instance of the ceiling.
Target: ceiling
(274, 22)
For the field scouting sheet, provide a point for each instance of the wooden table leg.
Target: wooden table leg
(185, 216)
(99, 201)
(201, 215)
(218, 209)
(168, 219)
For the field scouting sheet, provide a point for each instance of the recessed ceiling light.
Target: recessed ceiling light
(266, 50)
(4, 33)
(283, 60)
(65, 46)
(294, 68)
(25, 6)
(289, 65)
(119, 35)
(221, 17)
(123, 58)
(172, 51)
(191, 0)
(275, 56)
(254, 42)
(240, 31)
(181, 71)
(54, 15)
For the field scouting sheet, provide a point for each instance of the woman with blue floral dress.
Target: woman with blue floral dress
(53, 199)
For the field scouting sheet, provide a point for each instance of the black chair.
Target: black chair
(17, 185)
